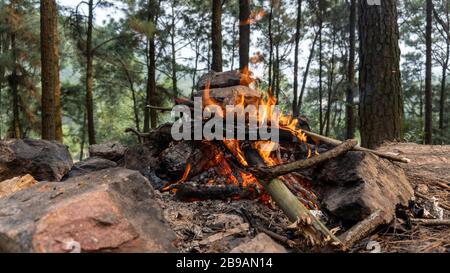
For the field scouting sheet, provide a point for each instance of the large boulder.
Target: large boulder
(91, 164)
(113, 151)
(111, 210)
(44, 160)
(354, 186)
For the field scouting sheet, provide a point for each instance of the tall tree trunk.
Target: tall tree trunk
(277, 69)
(443, 96)
(428, 75)
(14, 84)
(50, 72)
(381, 104)
(305, 75)
(150, 114)
(443, 89)
(296, 57)
(270, 47)
(90, 75)
(3, 48)
(83, 137)
(194, 74)
(216, 35)
(349, 108)
(320, 74)
(174, 54)
(244, 33)
(233, 47)
(330, 85)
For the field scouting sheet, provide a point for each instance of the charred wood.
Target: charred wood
(196, 192)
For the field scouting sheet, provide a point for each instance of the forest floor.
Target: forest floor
(429, 174)
(205, 226)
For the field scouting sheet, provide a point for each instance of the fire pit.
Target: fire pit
(232, 168)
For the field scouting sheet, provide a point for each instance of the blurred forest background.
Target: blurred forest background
(117, 56)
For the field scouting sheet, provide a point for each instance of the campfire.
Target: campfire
(252, 168)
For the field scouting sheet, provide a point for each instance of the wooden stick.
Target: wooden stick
(280, 170)
(312, 229)
(362, 229)
(356, 148)
(431, 222)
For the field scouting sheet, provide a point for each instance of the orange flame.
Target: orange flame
(268, 150)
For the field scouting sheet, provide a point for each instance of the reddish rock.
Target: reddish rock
(260, 244)
(111, 210)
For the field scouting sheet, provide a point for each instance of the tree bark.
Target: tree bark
(330, 85)
(150, 118)
(428, 75)
(216, 35)
(50, 71)
(296, 58)
(233, 47)
(14, 84)
(320, 73)
(83, 137)
(174, 53)
(381, 105)
(443, 95)
(90, 75)
(349, 112)
(244, 33)
(443, 89)
(277, 72)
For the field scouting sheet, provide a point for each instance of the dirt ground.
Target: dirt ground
(429, 174)
(219, 226)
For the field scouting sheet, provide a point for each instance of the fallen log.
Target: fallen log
(356, 148)
(430, 222)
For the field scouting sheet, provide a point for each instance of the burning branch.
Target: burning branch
(280, 170)
(356, 148)
(310, 227)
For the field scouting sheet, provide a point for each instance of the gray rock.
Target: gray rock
(91, 164)
(44, 160)
(354, 186)
(111, 210)
(113, 151)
